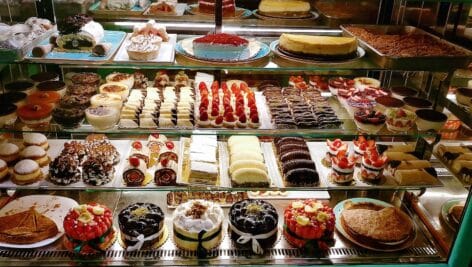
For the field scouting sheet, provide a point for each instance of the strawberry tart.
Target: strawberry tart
(221, 46)
(372, 165)
(309, 224)
(208, 6)
(89, 229)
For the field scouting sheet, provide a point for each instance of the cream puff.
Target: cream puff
(35, 139)
(26, 171)
(9, 152)
(4, 172)
(35, 153)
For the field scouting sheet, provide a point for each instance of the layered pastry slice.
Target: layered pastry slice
(247, 167)
(203, 159)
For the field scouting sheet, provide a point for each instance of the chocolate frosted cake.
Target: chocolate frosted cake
(256, 219)
(295, 162)
(97, 171)
(64, 170)
(141, 225)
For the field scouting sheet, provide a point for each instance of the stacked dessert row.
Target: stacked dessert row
(92, 161)
(375, 161)
(198, 226)
(159, 156)
(373, 106)
(459, 159)
(291, 107)
(233, 105)
(22, 163)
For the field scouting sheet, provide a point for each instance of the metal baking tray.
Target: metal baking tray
(433, 63)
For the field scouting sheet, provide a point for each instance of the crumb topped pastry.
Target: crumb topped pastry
(97, 171)
(64, 170)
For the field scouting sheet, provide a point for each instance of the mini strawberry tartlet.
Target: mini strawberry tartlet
(399, 119)
(309, 224)
(229, 120)
(203, 120)
(89, 229)
(333, 148)
(372, 165)
(343, 167)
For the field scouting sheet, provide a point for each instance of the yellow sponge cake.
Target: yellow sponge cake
(318, 45)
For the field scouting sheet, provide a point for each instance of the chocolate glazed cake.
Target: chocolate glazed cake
(141, 225)
(295, 162)
(253, 224)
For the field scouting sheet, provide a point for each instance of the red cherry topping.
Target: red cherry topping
(170, 145)
(165, 162)
(204, 116)
(134, 161)
(137, 145)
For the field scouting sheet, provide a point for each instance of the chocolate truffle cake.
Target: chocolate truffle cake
(253, 224)
(295, 162)
(64, 170)
(97, 171)
(141, 225)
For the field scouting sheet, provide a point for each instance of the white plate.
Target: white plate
(166, 52)
(54, 207)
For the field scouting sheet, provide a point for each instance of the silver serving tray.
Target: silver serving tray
(426, 63)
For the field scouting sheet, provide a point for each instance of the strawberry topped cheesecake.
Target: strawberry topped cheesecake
(372, 165)
(309, 224)
(89, 229)
(221, 46)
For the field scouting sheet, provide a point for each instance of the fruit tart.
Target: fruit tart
(309, 224)
(399, 119)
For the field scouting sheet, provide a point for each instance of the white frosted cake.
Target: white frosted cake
(203, 161)
(198, 225)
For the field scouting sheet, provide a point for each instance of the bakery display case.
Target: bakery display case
(267, 132)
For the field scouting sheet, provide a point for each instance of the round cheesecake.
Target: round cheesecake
(141, 225)
(284, 8)
(310, 45)
(198, 225)
(253, 221)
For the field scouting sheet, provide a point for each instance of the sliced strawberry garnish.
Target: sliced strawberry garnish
(165, 162)
(202, 86)
(155, 135)
(215, 112)
(239, 111)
